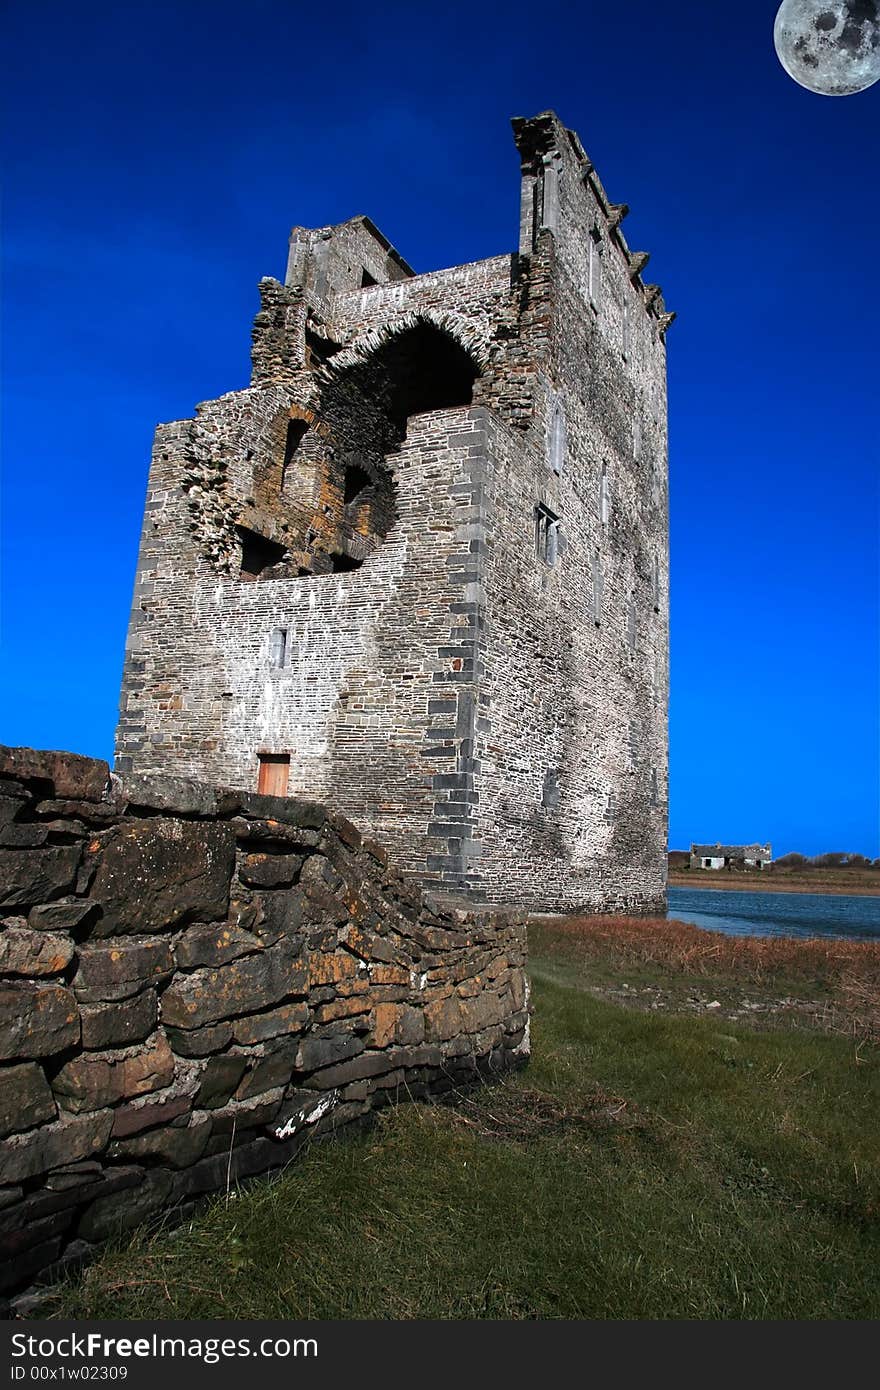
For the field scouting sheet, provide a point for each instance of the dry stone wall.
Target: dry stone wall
(193, 981)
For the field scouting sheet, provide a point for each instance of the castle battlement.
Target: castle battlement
(545, 147)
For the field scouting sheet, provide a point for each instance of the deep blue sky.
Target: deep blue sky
(157, 156)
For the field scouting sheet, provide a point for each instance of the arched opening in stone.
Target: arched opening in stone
(419, 369)
(425, 369)
(337, 500)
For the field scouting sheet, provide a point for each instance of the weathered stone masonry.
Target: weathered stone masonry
(193, 981)
(419, 568)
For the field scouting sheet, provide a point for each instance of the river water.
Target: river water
(777, 914)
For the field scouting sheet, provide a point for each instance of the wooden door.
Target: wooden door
(274, 771)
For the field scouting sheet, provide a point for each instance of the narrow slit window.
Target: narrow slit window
(625, 329)
(656, 486)
(595, 268)
(604, 496)
(655, 584)
(655, 791)
(597, 590)
(657, 678)
(550, 791)
(546, 535)
(557, 438)
(631, 624)
(278, 648)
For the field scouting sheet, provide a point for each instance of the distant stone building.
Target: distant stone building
(418, 569)
(730, 856)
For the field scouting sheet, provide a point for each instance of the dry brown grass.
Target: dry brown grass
(516, 1113)
(853, 882)
(847, 971)
(858, 996)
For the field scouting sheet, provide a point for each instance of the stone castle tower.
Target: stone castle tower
(419, 568)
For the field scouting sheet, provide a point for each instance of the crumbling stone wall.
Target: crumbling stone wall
(193, 981)
(475, 644)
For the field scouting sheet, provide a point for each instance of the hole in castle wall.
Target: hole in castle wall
(342, 564)
(604, 496)
(416, 371)
(296, 429)
(427, 370)
(337, 499)
(258, 554)
(356, 479)
(319, 349)
(596, 568)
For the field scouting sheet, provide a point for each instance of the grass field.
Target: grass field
(856, 881)
(662, 1157)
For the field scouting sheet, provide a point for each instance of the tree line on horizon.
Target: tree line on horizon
(833, 859)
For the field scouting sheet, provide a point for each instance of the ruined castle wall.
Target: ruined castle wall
(496, 308)
(373, 702)
(488, 691)
(194, 981)
(616, 421)
(567, 723)
(326, 260)
(571, 731)
(478, 294)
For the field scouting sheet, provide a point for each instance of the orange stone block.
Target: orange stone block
(385, 1020)
(389, 975)
(341, 1008)
(329, 968)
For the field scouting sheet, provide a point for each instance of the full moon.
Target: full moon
(829, 46)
